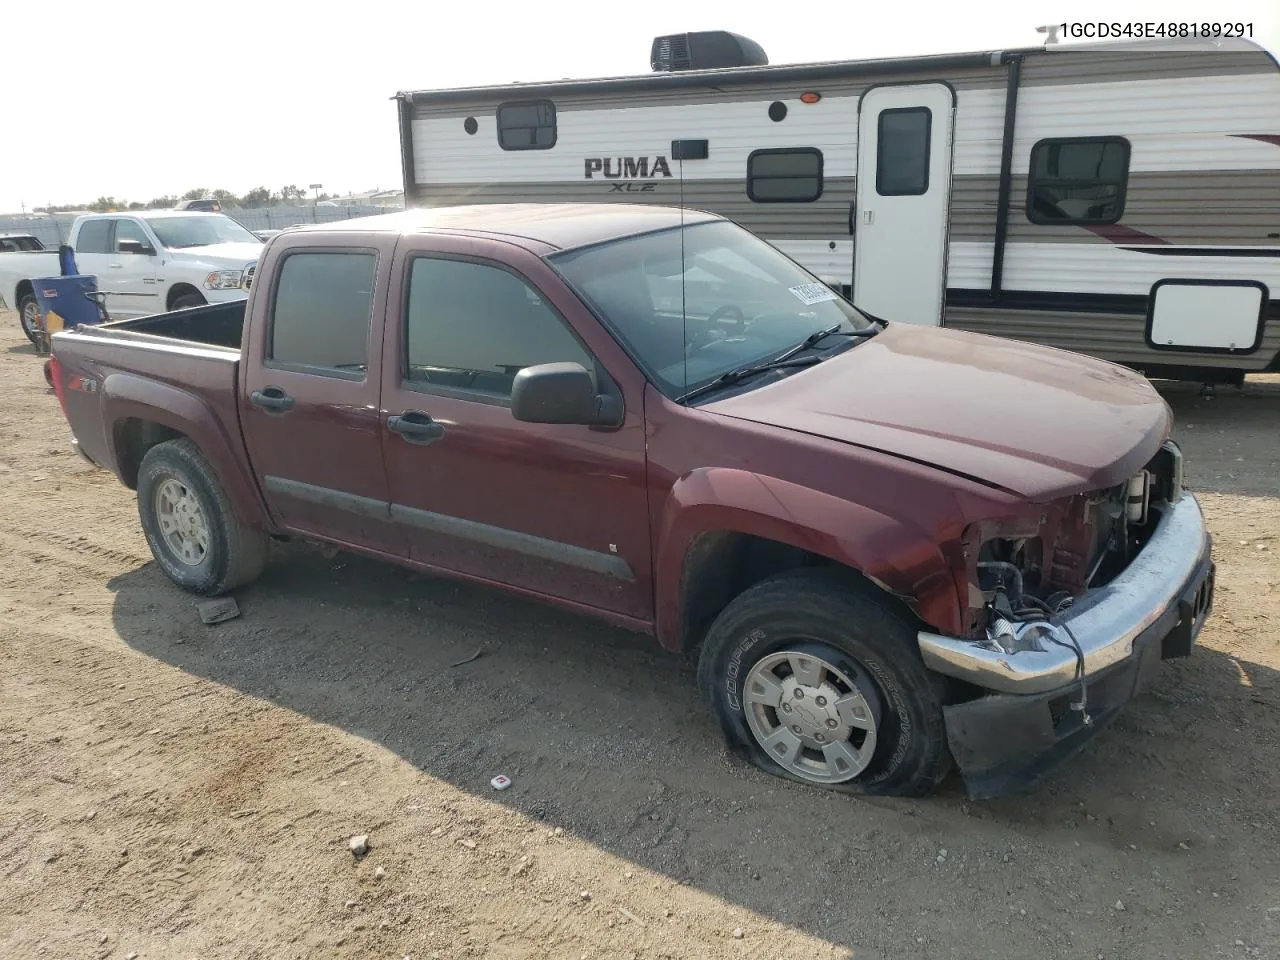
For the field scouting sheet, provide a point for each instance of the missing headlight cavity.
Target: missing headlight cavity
(1033, 568)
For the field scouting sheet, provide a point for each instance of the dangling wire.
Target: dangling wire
(1080, 705)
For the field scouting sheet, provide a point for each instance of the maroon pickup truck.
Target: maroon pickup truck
(894, 548)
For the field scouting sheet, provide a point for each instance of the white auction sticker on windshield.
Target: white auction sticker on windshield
(811, 293)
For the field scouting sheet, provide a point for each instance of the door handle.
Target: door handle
(416, 427)
(116, 266)
(271, 399)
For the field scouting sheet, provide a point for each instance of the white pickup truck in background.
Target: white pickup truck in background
(146, 262)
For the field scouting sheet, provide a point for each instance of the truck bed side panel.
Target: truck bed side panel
(19, 268)
(126, 390)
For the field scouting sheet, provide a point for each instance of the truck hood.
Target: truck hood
(219, 254)
(1038, 422)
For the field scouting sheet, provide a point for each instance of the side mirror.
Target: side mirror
(561, 393)
(135, 246)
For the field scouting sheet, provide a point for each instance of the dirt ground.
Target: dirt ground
(169, 789)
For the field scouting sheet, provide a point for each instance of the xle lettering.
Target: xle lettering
(625, 186)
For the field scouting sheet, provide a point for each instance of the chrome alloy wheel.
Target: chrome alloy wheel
(182, 522)
(810, 716)
(30, 318)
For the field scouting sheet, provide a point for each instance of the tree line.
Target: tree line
(257, 197)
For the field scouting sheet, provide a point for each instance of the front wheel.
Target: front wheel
(196, 538)
(29, 317)
(188, 300)
(815, 678)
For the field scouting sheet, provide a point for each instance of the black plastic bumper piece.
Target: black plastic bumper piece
(1004, 743)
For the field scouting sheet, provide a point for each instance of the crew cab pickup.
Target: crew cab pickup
(894, 548)
(146, 262)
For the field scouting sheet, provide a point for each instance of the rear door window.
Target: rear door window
(902, 152)
(94, 237)
(321, 312)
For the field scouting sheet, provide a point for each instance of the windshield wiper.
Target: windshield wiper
(741, 373)
(813, 339)
(788, 358)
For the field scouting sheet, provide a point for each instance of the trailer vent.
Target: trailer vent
(707, 50)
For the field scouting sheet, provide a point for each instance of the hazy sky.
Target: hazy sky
(141, 98)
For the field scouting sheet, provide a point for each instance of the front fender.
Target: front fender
(720, 499)
(126, 396)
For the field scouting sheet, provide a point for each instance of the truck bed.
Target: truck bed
(214, 325)
(20, 265)
(173, 370)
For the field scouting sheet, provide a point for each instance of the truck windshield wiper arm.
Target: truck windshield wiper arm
(741, 373)
(817, 336)
(788, 358)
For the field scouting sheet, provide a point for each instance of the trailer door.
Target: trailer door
(903, 193)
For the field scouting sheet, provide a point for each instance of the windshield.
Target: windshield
(694, 302)
(199, 231)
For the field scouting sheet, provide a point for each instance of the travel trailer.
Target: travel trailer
(1116, 199)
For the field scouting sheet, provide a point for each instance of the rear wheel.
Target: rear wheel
(816, 678)
(196, 538)
(29, 317)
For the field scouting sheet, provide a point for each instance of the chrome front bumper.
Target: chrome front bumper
(1104, 622)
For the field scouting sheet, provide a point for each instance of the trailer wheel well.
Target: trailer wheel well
(179, 290)
(133, 438)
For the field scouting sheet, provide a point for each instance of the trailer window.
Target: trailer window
(320, 314)
(1079, 180)
(788, 175)
(529, 125)
(902, 152)
(473, 326)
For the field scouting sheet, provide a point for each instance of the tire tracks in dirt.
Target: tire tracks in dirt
(40, 547)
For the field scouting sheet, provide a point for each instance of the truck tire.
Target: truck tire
(28, 316)
(816, 678)
(195, 536)
(188, 300)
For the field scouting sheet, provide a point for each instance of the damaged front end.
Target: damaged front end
(1067, 607)
(1032, 573)
(1023, 573)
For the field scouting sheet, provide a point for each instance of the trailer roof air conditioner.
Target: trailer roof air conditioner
(708, 50)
